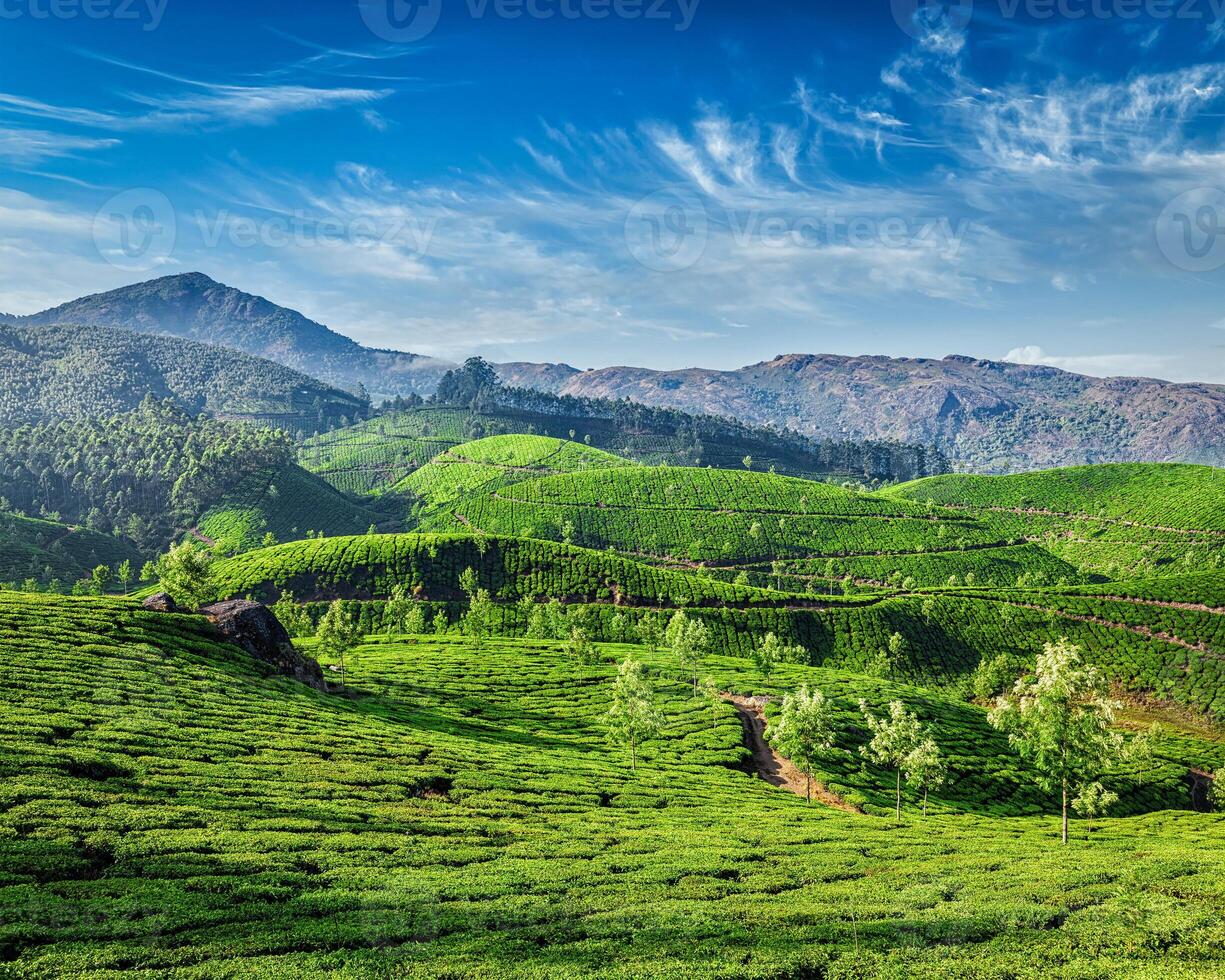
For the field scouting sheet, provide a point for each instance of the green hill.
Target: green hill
(375, 455)
(287, 503)
(170, 810)
(762, 524)
(1117, 521)
(31, 548)
(491, 464)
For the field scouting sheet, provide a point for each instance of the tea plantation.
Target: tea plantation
(171, 810)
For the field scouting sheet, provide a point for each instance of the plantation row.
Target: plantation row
(288, 504)
(1158, 494)
(375, 455)
(741, 491)
(1009, 565)
(369, 566)
(489, 465)
(709, 535)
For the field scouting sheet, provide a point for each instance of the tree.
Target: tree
(748, 462)
(100, 579)
(148, 572)
(337, 635)
(689, 640)
(414, 622)
(268, 541)
(1143, 749)
(293, 617)
(804, 730)
(124, 573)
(479, 618)
(1094, 800)
(766, 655)
(1060, 722)
(1216, 792)
(440, 624)
(465, 385)
(579, 647)
(650, 630)
(925, 768)
(185, 572)
(633, 717)
(395, 612)
(894, 738)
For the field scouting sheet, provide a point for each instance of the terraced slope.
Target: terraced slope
(442, 487)
(745, 520)
(368, 566)
(375, 455)
(170, 811)
(1118, 521)
(288, 504)
(31, 548)
(936, 637)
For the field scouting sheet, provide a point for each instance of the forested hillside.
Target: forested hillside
(145, 474)
(62, 371)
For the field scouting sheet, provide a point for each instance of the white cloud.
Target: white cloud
(1098, 365)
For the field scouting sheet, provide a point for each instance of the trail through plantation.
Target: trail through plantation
(771, 766)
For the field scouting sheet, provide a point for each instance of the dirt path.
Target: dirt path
(771, 766)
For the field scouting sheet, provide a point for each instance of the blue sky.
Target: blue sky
(658, 182)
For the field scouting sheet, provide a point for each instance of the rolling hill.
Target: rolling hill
(466, 816)
(987, 416)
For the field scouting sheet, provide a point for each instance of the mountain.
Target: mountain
(989, 416)
(75, 371)
(195, 307)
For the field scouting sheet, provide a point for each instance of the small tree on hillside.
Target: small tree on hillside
(100, 579)
(293, 617)
(804, 730)
(894, 738)
(124, 573)
(1142, 750)
(925, 768)
(1060, 722)
(479, 618)
(689, 640)
(633, 717)
(650, 630)
(395, 611)
(185, 573)
(579, 647)
(1093, 801)
(337, 635)
(414, 622)
(767, 654)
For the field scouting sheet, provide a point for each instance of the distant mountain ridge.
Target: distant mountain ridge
(987, 416)
(195, 307)
(990, 416)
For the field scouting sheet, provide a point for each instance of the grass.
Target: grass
(168, 810)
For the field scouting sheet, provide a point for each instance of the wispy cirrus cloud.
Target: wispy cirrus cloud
(26, 147)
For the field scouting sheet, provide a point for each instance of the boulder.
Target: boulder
(253, 627)
(162, 602)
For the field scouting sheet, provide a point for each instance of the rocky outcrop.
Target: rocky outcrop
(253, 627)
(162, 602)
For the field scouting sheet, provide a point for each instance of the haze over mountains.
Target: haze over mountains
(986, 415)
